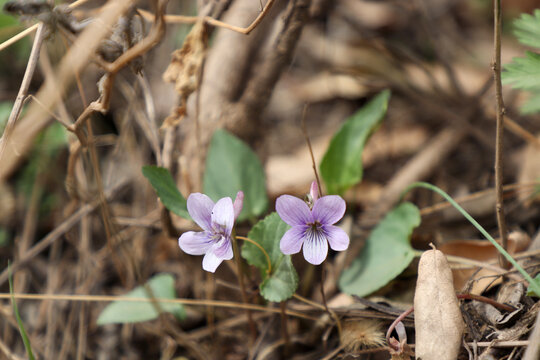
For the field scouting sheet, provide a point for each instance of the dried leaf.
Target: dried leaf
(185, 67)
(437, 317)
(481, 250)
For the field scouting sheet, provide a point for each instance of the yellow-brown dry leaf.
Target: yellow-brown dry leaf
(185, 67)
(481, 250)
(437, 317)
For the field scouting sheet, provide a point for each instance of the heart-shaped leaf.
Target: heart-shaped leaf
(386, 254)
(232, 166)
(121, 312)
(281, 281)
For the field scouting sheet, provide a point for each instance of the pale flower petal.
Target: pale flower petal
(223, 248)
(315, 247)
(338, 239)
(292, 240)
(223, 216)
(200, 209)
(329, 209)
(195, 243)
(293, 211)
(211, 262)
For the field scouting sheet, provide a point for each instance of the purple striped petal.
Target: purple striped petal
(338, 239)
(211, 262)
(329, 209)
(195, 243)
(293, 211)
(223, 216)
(315, 247)
(200, 209)
(292, 240)
(223, 248)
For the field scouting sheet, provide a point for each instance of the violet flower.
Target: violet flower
(217, 221)
(312, 227)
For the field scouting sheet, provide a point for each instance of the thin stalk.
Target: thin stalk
(533, 284)
(308, 142)
(23, 90)
(284, 329)
(499, 205)
(238, 260)
(330, 312)
(268, 262)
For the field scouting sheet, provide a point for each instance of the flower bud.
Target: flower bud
(238, 204)
(314, 191)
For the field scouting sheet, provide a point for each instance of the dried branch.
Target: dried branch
(499, 207)
(181, 19)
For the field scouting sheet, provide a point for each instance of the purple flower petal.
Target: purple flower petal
(211, 262)
(338, 239)
(195, 243)
(200, 209)
(315, 247)
(292, 210)
(223, 248)
(223, 216)
(238, 204)
(292, 240)
(329, 209)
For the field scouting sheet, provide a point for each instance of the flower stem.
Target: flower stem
(330, 312)
(252, 327)
(532, 284)
(269, 270)
(284, 330)
(306, 136)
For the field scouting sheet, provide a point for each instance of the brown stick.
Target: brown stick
(181, 19)
(499, 206)
(23, 90)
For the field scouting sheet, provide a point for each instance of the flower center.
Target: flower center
(218, 232)
(315, 226)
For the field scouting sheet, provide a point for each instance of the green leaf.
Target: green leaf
(121, 312)
(523, 73)
(527, 29)
(232, 166)
(341, 166)
(22, 330)
(532, 105)
(386, 254)
(282, 281)
(163, 182)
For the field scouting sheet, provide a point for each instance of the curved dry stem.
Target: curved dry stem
(182, 19)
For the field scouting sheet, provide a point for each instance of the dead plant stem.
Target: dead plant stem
(499, 206)
(23, 90)
(284, 328)
(181, 19)
(190, 302)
